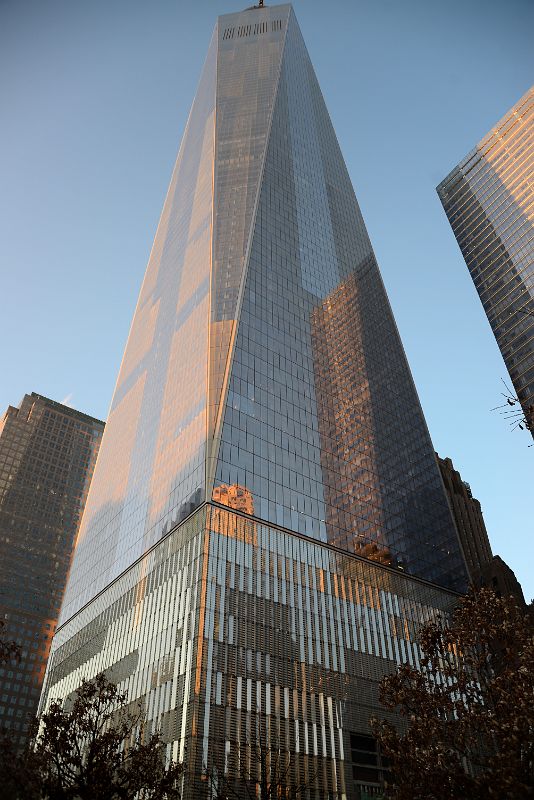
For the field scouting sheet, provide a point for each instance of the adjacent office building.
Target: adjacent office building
(267, 525)
(47, 457)
(484, 568)
(489, 200)
(469, 520)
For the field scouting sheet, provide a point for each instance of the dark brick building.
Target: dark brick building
(485, 569)
(468, 517)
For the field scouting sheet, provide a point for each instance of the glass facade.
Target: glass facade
(322, 423)
(151, 469)
(263, 352)
(265, 446)
(489, 201)
(231, 631)
(47, 457)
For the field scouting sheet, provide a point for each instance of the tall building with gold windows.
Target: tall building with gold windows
(489, 201)
(267, 524)
(47, 457)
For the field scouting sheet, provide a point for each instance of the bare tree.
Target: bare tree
(469, 709)
(262, 769)
(89, 749)
(518, 416)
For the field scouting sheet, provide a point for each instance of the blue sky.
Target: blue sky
(94, 97)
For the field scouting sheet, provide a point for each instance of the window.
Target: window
(370, 769)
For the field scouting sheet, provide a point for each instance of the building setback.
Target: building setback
(47, 457)
(489, 201)
(267, 525)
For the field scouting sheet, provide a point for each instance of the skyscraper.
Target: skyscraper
(47, 456)
(488, 199)
(265, 446)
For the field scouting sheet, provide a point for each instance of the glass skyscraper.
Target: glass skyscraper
(489, 201)
(47, 457)
(267, 524)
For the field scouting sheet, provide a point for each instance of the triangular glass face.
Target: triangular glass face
(151, 466)
(323, 433)
(248, 69)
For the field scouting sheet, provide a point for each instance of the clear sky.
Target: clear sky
(94, 95)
